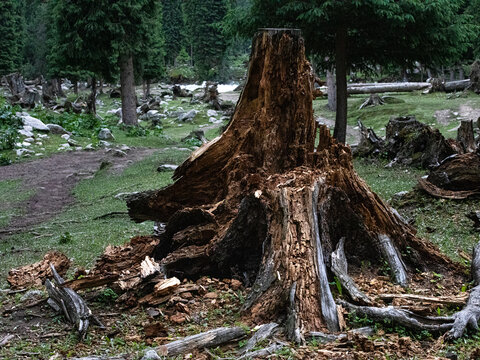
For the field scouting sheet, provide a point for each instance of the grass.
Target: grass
(12, 196)
(89, 236)
(414, 103)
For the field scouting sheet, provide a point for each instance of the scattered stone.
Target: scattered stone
(151, 355)
(25, 132)
(125, 148)
(105, 134)
(57, 129)
(89, 147)
(104, 144)
(39, 154)
(35, 123)
(399, 195)
(212, 113)
(27, 144)
(188, 116)
(65, 136)
(72, 142)
(196, 134)
(167, 167)
(116, 112)
(152, 312)
(29, 140)
(64, 146)
(43, 136)
(21, 152)
(119, 153)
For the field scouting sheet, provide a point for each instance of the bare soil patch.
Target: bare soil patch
(53, 180)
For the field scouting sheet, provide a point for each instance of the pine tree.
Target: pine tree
(35, 49)
(11, 35)
(173, 28)
(207, 43)
(365, 33)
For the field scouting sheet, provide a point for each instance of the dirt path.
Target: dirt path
(53, 179)
(465, 112)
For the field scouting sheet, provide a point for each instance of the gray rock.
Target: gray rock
(119, 153)
(21, 152)
(116, 112)
(72, 142)
(167, 167)
(29, 140)
(57, 129)
(151, 355)
(25, 132)
(188, 116)
(89, 147)
(26, 144)
(125, 148)
(104, 144)
(105, 134)
(211, 113)
(65, 136)
(43, 136)
(35, 123)
(399, 195)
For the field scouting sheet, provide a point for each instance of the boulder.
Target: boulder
(105, 134)
(188, 116)
(35, 123)
(25, 132)
(57, 129)
(65, 136)
(212, 113)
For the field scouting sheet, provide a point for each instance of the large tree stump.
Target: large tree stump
(265, 204)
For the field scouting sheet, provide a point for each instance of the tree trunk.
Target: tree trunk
(466, 136)
(340, 131)
(129, 99)
(331, 90)
(75, 87)
(101, 86)
(92, 100)
(376, 88)
(148, 87)
(261, 203)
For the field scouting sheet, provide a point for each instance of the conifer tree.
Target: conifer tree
(11, 35)
(173, 28)
(207, 42)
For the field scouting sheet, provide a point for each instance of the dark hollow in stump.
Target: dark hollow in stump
(263, 204)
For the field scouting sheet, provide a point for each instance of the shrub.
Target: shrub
(9, 125)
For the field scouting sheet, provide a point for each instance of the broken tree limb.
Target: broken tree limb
(70, 303)
(208, 339)
(470, 314)
(6, 339)
(454, 300)
(402, 317)
(391, 255)
(264, 332)
(340, 269)
(325, 338)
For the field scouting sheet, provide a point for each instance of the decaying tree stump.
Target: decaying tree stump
(475, 77)
(458, 177)
(466, 136)
(263, 204)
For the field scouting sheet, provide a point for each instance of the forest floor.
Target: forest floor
(67, 201)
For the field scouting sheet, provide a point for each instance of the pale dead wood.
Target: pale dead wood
(453, 300)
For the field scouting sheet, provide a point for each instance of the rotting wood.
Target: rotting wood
(269, 350)
(386, 87)
(372, 100)
(71, 304)
(35, 274)
(466, 136)
(6, 339)
(340, 269)
(208, 339)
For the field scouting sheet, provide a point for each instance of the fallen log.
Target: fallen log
(262, 333)
(208, 339)
(353, 89)
(459, 85)
(70, 303)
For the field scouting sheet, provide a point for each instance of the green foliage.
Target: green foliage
(206, 41)
(65, 238)
(9, 125)
(182, 71)
(107, 296)
(35, 49)
(173, 28)
(11, 35)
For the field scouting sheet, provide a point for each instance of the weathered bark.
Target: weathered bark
(340, 131)
(475, 77)
(129, 99)
(331, 91)
(278, 205)
(15, 83)
(70, 303)
(466, 136)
